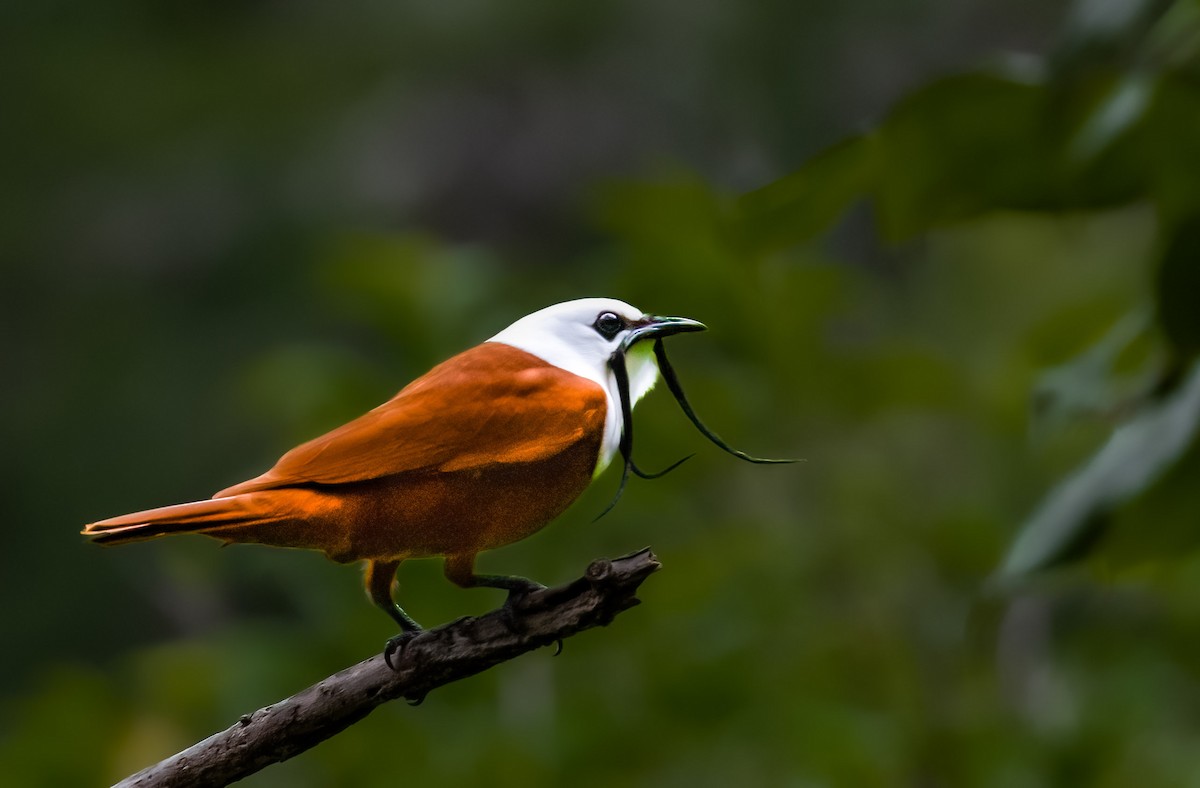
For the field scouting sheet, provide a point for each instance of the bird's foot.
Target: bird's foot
(520, 589)
(514, 603)
(394, 650)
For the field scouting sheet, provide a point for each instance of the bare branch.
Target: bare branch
(439, 656)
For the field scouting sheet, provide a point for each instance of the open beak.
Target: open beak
(656, 327)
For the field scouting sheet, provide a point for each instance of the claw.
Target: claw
(514, 603)
(414, 702)
(397, 644)
(557, 646)
(509, 613)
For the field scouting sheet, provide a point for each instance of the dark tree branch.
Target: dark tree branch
(439, 656)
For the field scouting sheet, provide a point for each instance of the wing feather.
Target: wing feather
(490, 404)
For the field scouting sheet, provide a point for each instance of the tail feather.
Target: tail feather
(195, 517)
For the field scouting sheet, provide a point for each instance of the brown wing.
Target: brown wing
(491, 404)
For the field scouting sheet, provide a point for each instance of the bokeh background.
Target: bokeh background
(947, 251)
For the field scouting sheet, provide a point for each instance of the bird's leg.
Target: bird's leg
(460, 570)
(379, 578)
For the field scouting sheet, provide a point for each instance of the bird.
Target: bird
(483, 450)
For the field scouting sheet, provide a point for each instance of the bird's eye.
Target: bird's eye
(609, 324)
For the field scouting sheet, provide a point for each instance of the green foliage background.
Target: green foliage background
(947, 252)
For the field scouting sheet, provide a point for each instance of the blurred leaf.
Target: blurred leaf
(984, 142)
(1088, 385)
(1104, 24)
(1178, 285)
(1174, 42)
(1106, 17)
(1158, 526)
(1172, 146)
(963, 145)
(1133, 458)
(797, 207)
(1114, 117)
(990, 141)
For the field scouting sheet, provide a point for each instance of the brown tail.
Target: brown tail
(181, 518)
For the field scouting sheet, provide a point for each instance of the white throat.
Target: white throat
(583, 361)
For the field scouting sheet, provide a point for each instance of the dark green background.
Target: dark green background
(229, 227)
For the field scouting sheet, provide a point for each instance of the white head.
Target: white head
(582, 336)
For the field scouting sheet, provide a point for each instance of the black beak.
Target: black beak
(648, 327)
(656, 327)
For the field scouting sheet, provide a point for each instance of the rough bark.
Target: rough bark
(435, 657)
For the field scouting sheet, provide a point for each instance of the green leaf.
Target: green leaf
(1115, 116)
(964, 145)
(1172, 146)
(1088, 385)
(983, 142)
(797, 207)
(1133, 458)
(1174, 41)
(1159, 524)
